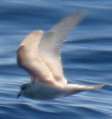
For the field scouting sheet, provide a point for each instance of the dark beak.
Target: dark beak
(19, 94)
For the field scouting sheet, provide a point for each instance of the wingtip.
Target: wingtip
(78, 15)
(99, 86)
(82, 13)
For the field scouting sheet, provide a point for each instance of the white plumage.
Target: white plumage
(39, 55)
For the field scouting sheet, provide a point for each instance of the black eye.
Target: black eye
(23, 87)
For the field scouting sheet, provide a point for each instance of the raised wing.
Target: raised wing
(52, 41)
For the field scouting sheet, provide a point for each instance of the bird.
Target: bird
(39, 54)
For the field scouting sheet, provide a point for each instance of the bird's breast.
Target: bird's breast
(43, 91)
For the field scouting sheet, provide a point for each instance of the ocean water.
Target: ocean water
(86, 54)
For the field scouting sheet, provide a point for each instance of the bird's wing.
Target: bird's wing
(28, 58)
(52, 41)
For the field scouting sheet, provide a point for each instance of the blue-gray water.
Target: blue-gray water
(87, 58)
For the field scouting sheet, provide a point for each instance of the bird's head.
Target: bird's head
(23, 90)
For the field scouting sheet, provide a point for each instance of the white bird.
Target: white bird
(39, 55)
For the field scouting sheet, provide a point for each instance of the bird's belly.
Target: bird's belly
(45, 92)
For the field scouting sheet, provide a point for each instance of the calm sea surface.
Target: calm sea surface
(87, 58)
